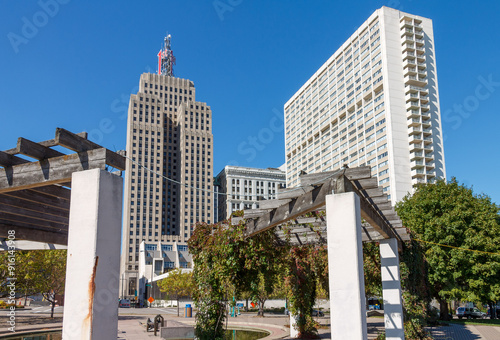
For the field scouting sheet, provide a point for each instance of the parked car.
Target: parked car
(316, 312)
(470, 313)
(124, 303)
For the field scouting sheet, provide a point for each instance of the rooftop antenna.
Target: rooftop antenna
(166, 59)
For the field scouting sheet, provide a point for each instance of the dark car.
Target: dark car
(469, 313)
(316, 312)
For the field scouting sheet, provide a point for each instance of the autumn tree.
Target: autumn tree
(459, 234)
(41, 271)
(177, 285)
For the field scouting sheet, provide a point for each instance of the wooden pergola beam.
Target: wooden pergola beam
(368, 211)
(51, 171)
(7, 160)
(54, 190)
(35, 150)
(18, 203)
(39, 198)
(34, 223)
(301, 205)
(42, 216)
(29, 234)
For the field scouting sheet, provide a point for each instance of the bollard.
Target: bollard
(189, 311)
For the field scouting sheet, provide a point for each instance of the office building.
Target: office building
(242, 188)
(170, 156)
(374, 102)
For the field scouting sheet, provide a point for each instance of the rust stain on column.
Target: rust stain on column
(88, 318)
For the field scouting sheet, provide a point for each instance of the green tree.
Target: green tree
(177, 285)
(450, 214)
(49, 273)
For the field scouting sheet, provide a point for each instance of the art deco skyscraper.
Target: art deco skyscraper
(374, 102)
(169, 133)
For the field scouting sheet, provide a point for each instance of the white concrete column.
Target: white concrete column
(93, 264)
(294, 332)
(391, 290)
(345, 267)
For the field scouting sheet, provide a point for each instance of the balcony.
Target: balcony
(413, 80)
(411, 96)
(416, 155)
(418, 181)
(428, 156)
(414, 130)
(413, 122)
(420, 41)
(408, 55)
(420, 58)
(415, 139)
(427, 140)
(425, 107)
(427, 131)
(431, 173)
(421, 73)
(410, 71)
(413, 114)
(416, 147)
(429, 165)
(406, 31)
(409, 47)
(412, 105)
(416, 89)
(406, 24)
(424, 99)
(418, 173)
(407, 39)
(417, 164)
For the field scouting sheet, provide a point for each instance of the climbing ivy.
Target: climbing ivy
(226, 265)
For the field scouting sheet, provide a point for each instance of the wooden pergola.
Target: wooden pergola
(288, 210)
(347, 195)
(50, 197)
(35, 194)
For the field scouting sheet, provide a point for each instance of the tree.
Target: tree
(177, 285)
(24, 281)
(40, 271)
(49, 273)
(448, 218)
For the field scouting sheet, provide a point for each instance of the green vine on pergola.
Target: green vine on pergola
(227, 264)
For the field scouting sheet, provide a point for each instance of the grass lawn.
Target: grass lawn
(486, 322)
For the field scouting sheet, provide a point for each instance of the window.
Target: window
(150, 247)
(166, 247)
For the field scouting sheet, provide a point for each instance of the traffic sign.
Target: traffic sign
(151, 299)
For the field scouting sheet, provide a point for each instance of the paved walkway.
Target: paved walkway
(465, 332)
(131, 327)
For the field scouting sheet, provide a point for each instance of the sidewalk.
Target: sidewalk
(465, 332)
(132, 327)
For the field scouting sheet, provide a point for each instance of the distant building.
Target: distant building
(243, 187)
(169, 174)
(158, 258)
(374, 102)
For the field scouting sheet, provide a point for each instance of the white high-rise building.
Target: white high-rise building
(374, 102)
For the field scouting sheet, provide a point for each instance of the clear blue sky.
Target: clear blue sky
(76, 66)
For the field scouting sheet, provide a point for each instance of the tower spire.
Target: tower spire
(166, 59)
